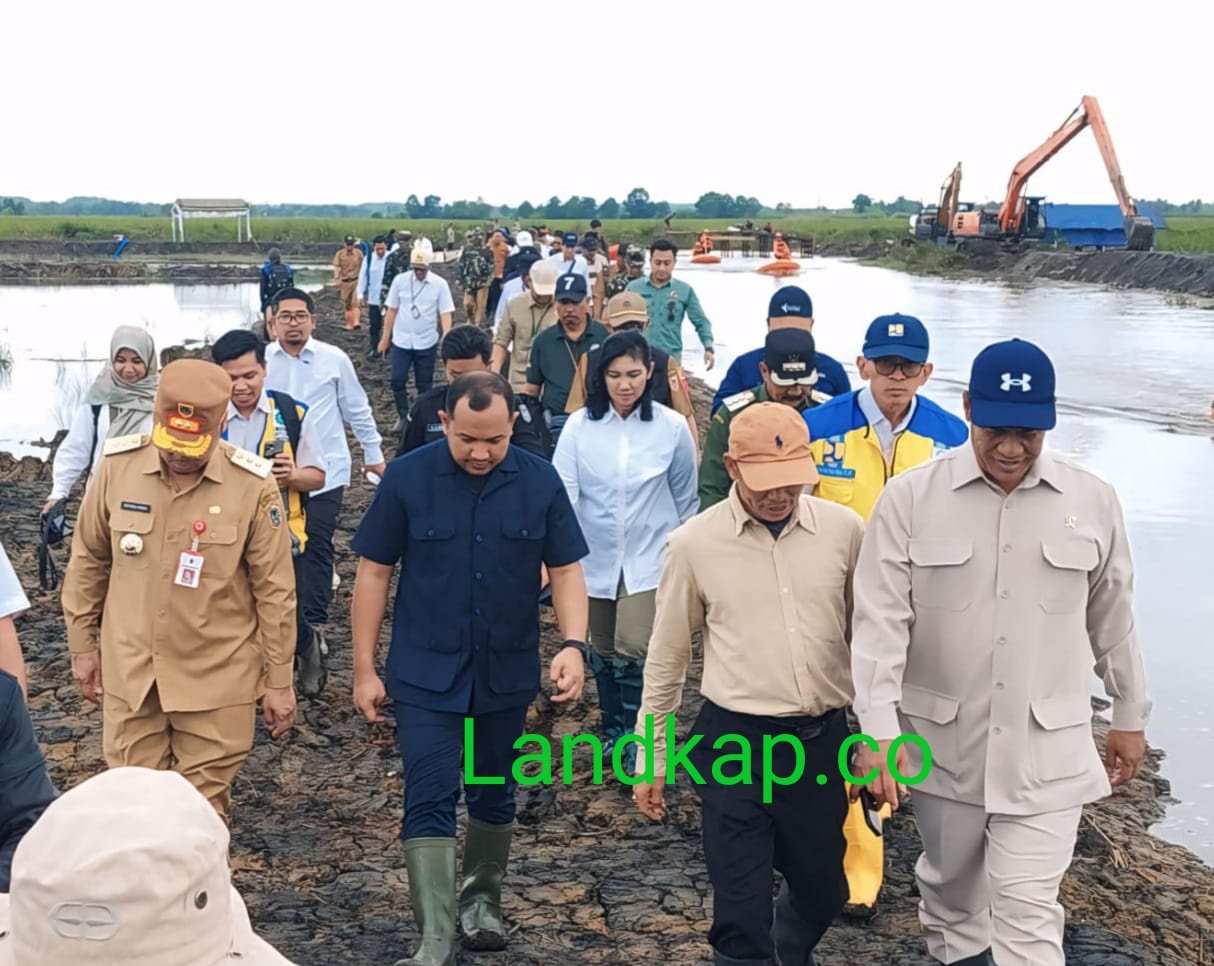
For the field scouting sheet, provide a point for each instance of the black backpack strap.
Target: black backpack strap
(285, 404)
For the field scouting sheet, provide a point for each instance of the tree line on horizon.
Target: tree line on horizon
(636, 204)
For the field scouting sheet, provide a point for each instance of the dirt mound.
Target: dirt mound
(1165, 271)
(316, 819)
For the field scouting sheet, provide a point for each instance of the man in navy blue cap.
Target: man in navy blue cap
(860, 440)
(789, 308)
(991, 583)
(555, 352)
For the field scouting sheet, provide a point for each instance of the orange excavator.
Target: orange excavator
(1020, 215)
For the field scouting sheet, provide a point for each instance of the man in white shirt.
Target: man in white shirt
(369, 289)
(568, 260)
(321, 377)
(273, 425)
(419, 307)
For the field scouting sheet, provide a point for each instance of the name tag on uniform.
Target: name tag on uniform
(189, 568)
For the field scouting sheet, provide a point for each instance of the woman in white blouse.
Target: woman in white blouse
(629, 465)
(119, 403)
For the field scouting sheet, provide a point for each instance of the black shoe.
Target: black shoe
(982, 959)
(310, 668)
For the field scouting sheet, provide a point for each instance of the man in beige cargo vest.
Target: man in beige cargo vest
(991, 581)
(179, 598)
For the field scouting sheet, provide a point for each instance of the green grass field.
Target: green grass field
(827, 228)
(1187, 233)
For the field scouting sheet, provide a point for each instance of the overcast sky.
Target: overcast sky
(806, 103)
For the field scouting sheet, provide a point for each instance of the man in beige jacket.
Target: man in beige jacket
(990, 582)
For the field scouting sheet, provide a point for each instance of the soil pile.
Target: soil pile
(317, 815)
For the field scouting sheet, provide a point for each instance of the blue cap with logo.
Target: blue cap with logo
(571, 287)
(896, 335)
(570, 238)
(790, 301)
(1012, 386)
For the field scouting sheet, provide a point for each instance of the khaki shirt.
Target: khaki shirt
(205, 647)
(775, 614)
(523, 321)
(979, 616)
(349, 263)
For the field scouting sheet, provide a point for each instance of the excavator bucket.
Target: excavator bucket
(1139, 234)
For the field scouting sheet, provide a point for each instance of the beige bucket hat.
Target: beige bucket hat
(129, 868)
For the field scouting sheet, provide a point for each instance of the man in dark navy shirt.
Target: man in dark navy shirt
(790, 307)
(25, 787)
(472, 520)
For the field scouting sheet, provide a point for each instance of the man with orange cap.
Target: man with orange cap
(765, 576)
(179, 597)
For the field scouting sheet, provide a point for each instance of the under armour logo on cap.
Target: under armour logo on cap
(1012, 387)
(1024, 382)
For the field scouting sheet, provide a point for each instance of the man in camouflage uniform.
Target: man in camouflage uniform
(789, 373)
(475, 270)
(618, 281)
(398, 261)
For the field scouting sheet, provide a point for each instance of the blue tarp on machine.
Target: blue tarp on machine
(1092, 226)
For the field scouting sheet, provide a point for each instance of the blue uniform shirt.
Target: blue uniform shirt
(744, 374)
(465, 628)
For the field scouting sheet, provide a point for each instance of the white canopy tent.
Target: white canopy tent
(184, 208)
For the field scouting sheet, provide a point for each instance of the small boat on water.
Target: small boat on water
(780, 267)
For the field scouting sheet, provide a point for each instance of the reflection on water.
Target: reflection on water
(1134, 381)
(59, 337)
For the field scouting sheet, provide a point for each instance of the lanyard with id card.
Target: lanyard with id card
(189, 565)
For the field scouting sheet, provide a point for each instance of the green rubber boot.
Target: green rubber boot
(430, 863)
(486, 852)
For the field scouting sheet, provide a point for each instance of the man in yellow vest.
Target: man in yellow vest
(859, 440)
(271, 425)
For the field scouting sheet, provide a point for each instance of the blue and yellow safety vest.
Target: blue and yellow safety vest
(851, 467)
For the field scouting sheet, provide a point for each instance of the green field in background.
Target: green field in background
(1185, 233)
(270, 230)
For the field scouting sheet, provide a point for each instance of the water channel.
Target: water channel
(1134, 383)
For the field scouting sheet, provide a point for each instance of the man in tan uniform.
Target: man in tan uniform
(990, 582)
(179, 598)
(527, 315)
(766, 577)
(347, 267)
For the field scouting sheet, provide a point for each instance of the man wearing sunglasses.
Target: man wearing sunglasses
(860, 440)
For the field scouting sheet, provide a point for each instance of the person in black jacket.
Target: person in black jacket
(25, 786)
(468, 348)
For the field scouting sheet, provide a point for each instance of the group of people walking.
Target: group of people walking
(860, 565)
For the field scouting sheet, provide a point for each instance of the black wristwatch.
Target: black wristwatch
(581, 647)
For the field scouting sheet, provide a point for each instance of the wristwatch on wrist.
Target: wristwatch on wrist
(579, 645)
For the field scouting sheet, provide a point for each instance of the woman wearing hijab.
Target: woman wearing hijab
(629, 466)
(119, 403)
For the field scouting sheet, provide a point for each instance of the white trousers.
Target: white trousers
(991, 881)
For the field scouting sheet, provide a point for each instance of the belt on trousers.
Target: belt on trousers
(350, 279)
(803, 726)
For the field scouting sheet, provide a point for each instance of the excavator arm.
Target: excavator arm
(1140, 232)
(1011, 212)
(950, 193)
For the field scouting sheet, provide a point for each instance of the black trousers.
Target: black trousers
(377, 324)
(799, 833)
(316, 562)
(495, 293)
(304, 639)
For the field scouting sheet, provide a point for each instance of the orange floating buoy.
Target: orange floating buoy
(781, 266)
